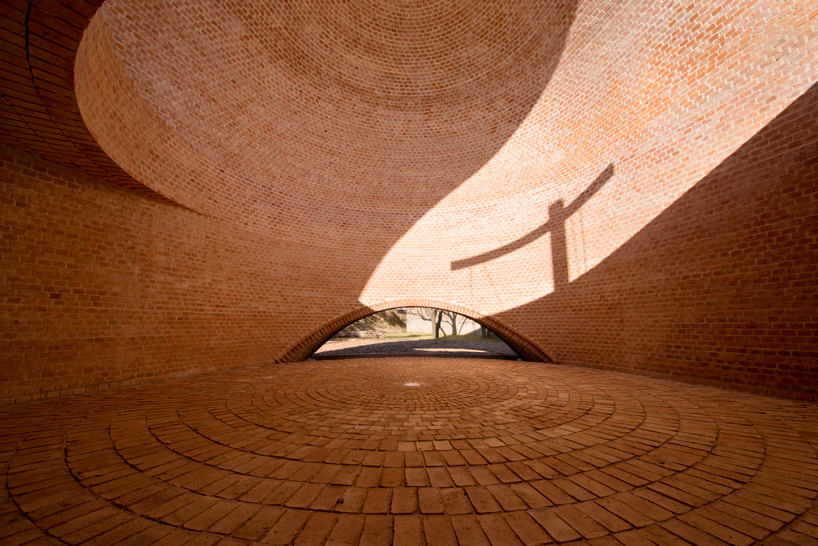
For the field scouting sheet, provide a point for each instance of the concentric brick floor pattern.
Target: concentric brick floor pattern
(411, 451)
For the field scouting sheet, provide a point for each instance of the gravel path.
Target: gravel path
(418, 347)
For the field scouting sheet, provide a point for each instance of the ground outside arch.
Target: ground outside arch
(305, 347)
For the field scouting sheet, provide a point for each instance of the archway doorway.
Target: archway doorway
(415, 331)
(306, 346)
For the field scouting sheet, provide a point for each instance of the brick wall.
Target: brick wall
(104, 287)
(720, 289)
(623, 185)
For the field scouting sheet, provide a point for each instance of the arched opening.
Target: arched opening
(305, 347)
(415, 331)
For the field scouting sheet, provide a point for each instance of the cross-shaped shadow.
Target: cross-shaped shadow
(558, 215)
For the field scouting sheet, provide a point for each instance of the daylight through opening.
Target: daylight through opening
(416, 331)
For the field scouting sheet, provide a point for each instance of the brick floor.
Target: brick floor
(344, 452)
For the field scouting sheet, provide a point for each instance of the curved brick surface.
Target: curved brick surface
(357, 109)
(419, 450)
(39, 108)
(621, 185)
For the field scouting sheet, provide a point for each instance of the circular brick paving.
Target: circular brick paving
(411, 450)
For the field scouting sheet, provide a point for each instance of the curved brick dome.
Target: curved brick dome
(209, 188)
(626, 185)
(264, 112)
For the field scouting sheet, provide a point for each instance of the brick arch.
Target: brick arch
(310, 343)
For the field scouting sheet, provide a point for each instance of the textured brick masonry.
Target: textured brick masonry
(198, 186)
(196, 194)
(411, 451)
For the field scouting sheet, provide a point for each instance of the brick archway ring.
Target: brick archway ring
(305, 347)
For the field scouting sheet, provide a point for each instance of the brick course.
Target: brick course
(106, 288)
(300, 453)
(621, 185)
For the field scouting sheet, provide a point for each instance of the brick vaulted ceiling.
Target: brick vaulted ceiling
(264, 112)
(522, 159)
(363, 115)
(39, 108)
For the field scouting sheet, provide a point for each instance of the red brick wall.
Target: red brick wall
(720, 289)
(104, 287)
(626, 185)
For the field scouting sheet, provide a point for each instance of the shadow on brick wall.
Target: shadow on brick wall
(721, 288)
(558, 215)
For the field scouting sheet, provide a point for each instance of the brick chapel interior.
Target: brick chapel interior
(199, 194)
(626, 186)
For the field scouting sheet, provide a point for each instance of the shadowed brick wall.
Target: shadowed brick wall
(721, 288)
(623, 185)
(103, 287)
